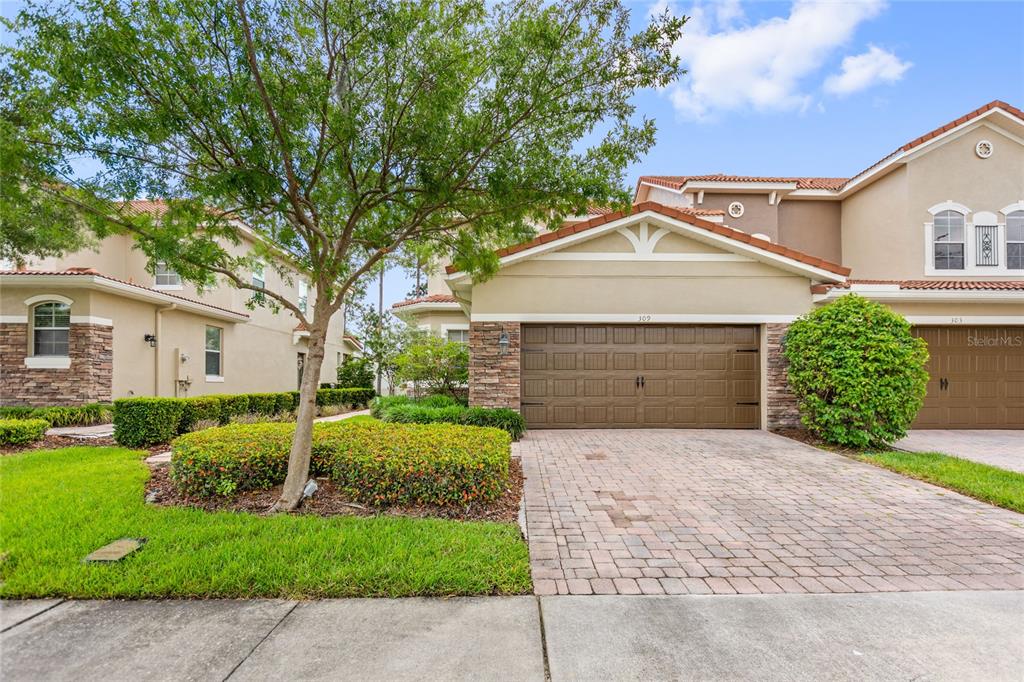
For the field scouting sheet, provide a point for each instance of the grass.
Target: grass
(59, 505)
(981, 481)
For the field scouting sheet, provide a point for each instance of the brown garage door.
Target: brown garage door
(639, 376)
(976, 378)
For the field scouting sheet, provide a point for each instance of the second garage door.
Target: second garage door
(639, 376)
(976, 378)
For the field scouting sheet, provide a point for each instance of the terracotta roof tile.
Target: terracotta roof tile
(69, 272)
(677, 214)
(432, 298)
(930, 285)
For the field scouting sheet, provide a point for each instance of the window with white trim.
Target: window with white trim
(51, 329)
(165, 276)
(214, 353)
(259, 279)
(458, 335)
(303, 295)
(1015, 240)
(948, 240)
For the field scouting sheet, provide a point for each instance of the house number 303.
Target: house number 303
(645, 318)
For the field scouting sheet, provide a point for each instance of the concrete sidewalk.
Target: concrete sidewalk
(932, 635)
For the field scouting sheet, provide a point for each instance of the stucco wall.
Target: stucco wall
(758, 215)
(813, 227)
(883, 224)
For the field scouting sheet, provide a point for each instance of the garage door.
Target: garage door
(639, 376)
(976, 378)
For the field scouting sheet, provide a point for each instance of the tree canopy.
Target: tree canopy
(339, 133)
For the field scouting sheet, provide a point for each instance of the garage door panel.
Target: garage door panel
(586, 376)
(976, 378)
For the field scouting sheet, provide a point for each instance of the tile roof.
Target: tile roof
(677, 181)
(71, 272)
(678, 214)
(432, 298)
(833, 184)
(929, 285)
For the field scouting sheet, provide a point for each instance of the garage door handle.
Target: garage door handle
(638, 381)
(943, 384)
(643, 382)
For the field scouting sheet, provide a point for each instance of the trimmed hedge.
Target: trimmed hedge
(372, 462)
(22, 431)
(63, 415)
(140, 422)
(443, 409)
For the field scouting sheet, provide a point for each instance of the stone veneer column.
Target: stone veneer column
(783, 408)
(87, 380)
(493, 377)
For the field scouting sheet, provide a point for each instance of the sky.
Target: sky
(814, 88)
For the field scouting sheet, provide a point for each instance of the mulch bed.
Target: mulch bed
(805, 436)
(329, 501)
(56, 442)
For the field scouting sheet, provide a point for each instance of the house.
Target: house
(672, 314)
(95, 325)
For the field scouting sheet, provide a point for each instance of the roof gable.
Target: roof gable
(726, 238)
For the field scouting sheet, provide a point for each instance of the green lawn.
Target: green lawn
(56, 506)
(981, 481)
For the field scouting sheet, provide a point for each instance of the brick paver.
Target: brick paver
(667, 511)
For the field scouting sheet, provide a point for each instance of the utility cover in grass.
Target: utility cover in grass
(116, 550)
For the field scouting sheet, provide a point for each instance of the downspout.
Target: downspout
(158, 332)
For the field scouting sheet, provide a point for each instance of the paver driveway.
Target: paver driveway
(666, 511)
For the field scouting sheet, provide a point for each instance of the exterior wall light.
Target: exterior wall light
(503, 343)
(150, 339)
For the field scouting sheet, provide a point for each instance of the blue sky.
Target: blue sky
(816, 88)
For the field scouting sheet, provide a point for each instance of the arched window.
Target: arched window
(1015, 240)
(948, 240)
(51, 326)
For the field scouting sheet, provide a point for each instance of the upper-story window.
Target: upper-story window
(166, 277)
(1015, 240)
(259, 279)
(214, 357)
(948, 240)
(51, 328)
(303, 295)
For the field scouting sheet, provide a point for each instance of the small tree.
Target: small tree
(327, 136)
(355, 373)
(384, 338)
(440, 365)
(858, 372)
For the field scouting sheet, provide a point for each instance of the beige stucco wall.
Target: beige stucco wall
(759, 217)
(813, 227)
(439, 320)
(883, 224)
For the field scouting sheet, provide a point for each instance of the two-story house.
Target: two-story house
(95, 325)
(673, 314)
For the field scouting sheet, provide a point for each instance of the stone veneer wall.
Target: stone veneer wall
(493, 377)
(783, 409)
(88, 380)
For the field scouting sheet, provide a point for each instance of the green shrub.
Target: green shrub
(22, 431)
(200, 408)
(382, 403)
(140, 422)
(355, 373)
(857, 371)
(233, 405)
(502, 418)
(356, 397)
(372, 462)
(438, 400)
(414, 413)
(264, 404)
(443, 464)
(62, 415)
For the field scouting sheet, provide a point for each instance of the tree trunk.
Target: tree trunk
(298, 459)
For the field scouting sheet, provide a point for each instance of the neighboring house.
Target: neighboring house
(666, 317)
(95, 325)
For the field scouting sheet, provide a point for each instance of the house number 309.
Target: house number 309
(956, 320)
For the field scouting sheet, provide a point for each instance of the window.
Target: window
(303, 295)
(213, 352)
(1015, 240)
(51, 327)
(259, 279)
(948, 240)
(166, 277)
(458, 335)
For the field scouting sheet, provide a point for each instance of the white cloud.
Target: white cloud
(861, 71)
(734, 65)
